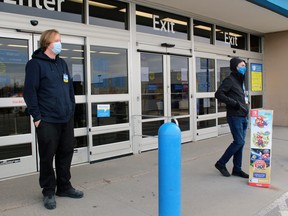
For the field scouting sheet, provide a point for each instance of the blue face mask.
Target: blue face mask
(242, 70)
(57, 48)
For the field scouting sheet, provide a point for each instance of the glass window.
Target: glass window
(119, 113)
(80, 119)
(73, 54)
(231, 38)
(206, 106)
(151, 128)
(222, 121)
(14, 151)
(60, 9)
(184, 124)
(256, 77)
(152, 84)
(13, 59)
(206, 124)
(108, 13)
(13, 121)
(158, 22)
(221, 107)
(81, 141)
(205, 74)
(255, 44)
(203, 32)
(256, 101)
(109, 70)
(223, 70)
(179, 85)
(109, 138)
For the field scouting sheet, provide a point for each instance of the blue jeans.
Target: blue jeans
(238, 127)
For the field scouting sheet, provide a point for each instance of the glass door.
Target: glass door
(108, 99)
(165, 96)
(17, 133)
(211, 70)
(223, 70)
(206, 119)
(73, 54)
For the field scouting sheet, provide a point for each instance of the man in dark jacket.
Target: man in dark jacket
(232, 93)
(49, 95)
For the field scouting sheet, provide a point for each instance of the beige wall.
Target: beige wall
(276, 76)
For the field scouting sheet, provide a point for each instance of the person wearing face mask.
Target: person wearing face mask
(50, 100)
(232, 93)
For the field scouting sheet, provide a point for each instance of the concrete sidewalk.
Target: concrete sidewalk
(128, 186)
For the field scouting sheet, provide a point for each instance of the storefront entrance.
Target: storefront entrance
(165, 96)
(134, 67)
(18, 143)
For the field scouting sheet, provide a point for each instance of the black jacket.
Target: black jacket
(47, 95)
(231, 93)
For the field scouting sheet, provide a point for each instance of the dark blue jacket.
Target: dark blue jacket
(47, 96)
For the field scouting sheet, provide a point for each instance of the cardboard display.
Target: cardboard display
(260, 147)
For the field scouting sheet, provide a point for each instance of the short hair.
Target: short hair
(45, 38)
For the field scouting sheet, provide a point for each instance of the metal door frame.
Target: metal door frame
(27, 164)
(149, 143)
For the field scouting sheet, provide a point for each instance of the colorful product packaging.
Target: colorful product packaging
(260, 147)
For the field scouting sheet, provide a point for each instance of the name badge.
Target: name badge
(65, 78)
(246, 100)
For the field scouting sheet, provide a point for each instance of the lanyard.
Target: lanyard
(246, 95)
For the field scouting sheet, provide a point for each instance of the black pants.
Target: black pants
(55, 139)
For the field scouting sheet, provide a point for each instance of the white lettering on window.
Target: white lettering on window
(48, 4)
(155, 22)
(162, 25)
(59, 2)
(232, 40)
(51, 2)
(37, 4)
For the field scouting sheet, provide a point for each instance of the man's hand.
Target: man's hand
(37, 123)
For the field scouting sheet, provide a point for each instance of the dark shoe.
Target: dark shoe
(72, 193)
(240, 174)
(49, 202)
(222, 169)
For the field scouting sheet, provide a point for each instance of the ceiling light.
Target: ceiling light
(77, 50)
(109, 53)
(175, 21)
(144, 14)
(230, 33)
(102, 5)
(77, 58)
(15, 45)
(207, 28)
(235, 35)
